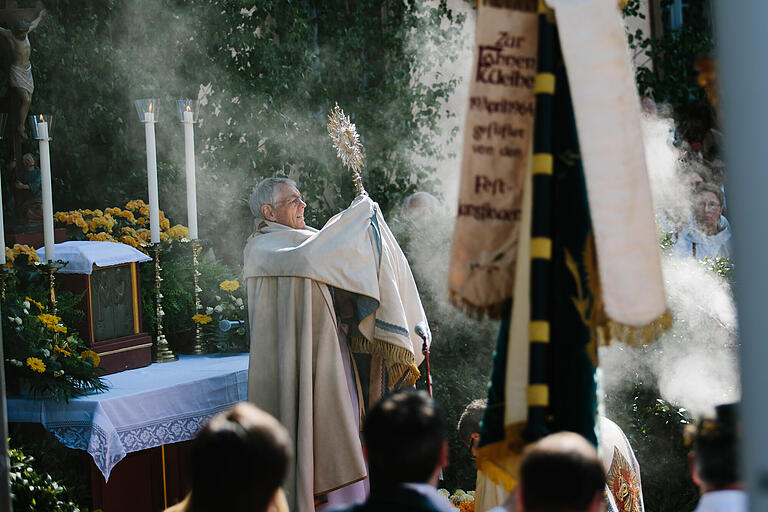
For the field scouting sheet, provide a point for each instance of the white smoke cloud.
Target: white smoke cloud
(695, 363)
(671, 196)
(455, 64)
(427, 236)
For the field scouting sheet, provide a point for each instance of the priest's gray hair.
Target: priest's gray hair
(266, 193)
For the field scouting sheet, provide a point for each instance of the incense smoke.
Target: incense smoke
(426, 236)
(694, 364)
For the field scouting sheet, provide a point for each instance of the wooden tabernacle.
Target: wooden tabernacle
(112, 325)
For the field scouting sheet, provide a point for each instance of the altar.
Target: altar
(143, 409)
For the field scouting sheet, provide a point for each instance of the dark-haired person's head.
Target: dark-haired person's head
(560, 473)
(404, 439)
(239, 461)
(469, 424)
(715, 456)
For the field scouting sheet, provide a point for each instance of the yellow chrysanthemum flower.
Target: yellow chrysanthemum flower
(62, 351)
(201, 319)
(229, 286)
(92, 356)
(177, 232)
(129, 240)
(48, 320)
(136, 204)
(36, 364)
(33, 301)
(80, 222)
(19, 249)
(9, 255)
(100, 237)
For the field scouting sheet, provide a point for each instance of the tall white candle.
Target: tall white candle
(2, 230)
(154, 207)
(189, 149)
(47, 189)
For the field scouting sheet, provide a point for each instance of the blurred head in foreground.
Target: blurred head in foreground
(560, 473)
(239, 462)
(404, 436)
(714, 460)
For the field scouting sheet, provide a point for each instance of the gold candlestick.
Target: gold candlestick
(161, 351)
(50, 268)
(199, 346)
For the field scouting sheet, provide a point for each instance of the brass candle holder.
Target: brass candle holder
(199, 346)
(50, 268)
(161, 351)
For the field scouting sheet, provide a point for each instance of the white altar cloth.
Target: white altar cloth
(147, 407)
(82, 255)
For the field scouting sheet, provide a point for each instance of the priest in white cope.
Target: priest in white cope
(332, 317)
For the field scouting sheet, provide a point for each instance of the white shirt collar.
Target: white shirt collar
(429, 492)
(722, 501)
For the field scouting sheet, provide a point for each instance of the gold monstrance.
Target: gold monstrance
(348, 147)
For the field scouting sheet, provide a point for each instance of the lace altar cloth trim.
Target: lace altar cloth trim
(106, 453)
(144, 408)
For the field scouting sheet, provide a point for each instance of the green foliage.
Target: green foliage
(178, 296)
(31, 491)
(229, 305)
(668, 74)
(654, 428)
(723, 267)
(267, 74)
(67, 466)
(460, 373)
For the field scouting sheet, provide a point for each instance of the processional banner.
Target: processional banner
(588, 267)
(496, 154)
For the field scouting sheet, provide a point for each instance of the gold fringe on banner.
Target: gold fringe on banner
(635, 336)
(494, 311)
(500, 461)
(400, 361)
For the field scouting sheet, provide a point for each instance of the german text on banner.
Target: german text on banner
(497, 137)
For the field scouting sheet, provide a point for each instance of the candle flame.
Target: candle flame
(188, 108)
(41, 118)
(150, 107)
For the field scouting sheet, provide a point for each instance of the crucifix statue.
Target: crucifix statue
(20, 69)
(15, 24)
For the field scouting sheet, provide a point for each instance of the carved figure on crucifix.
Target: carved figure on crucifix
(21, 68)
